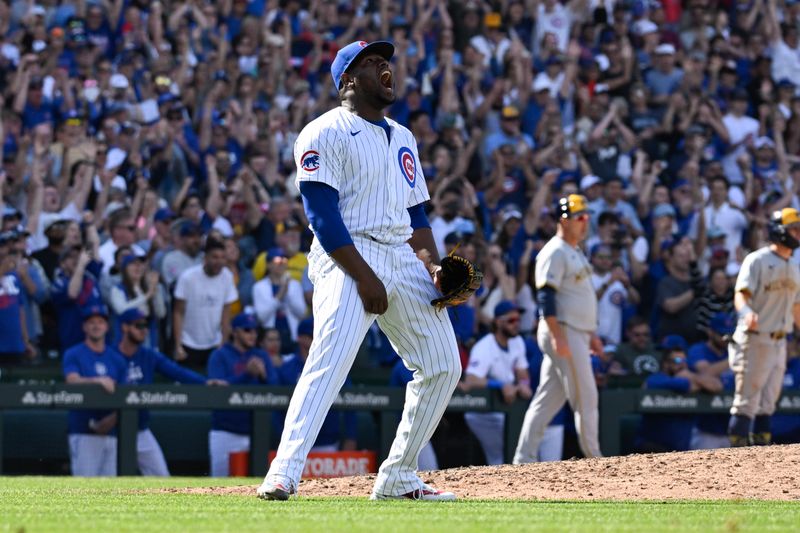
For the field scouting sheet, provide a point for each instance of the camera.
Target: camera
(618, 238)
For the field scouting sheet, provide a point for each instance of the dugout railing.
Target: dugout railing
(385, 402)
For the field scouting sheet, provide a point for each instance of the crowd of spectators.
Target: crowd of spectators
(147, 159)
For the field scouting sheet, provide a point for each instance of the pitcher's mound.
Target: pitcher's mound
(762, 473)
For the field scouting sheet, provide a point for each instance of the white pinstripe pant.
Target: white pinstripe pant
(92, 455)
(423, 338)
(562, 379)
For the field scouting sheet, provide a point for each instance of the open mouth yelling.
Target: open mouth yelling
(387, 80)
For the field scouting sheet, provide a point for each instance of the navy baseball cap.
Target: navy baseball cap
(132, 315)
(164, 214)
(505, 307)
(275, 252)
(244, 321)
(722, 323)
(673, 341)
(306, 327)
(190, 228)
(347, 55)
(130, 258)
(94, 310)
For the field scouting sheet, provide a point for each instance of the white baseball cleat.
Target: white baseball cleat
(426, 493)
(274, 491)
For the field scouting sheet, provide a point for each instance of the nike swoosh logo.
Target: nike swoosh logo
(354, 133)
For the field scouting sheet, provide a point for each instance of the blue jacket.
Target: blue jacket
(673, 432)
(714, 424)
(786, 428)
(82, 360)
(142, 367)
(68, 310)
(230, 364)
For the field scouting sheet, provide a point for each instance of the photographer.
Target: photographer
(34, 283)
(14, 342)
(628, 252)
(75, 288)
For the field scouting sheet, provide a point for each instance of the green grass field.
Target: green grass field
(32, 504)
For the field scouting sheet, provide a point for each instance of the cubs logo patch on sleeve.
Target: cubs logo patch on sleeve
(309, 161)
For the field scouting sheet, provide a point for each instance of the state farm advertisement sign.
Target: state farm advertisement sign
(338, 464)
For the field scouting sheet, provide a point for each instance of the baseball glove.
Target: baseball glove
(458, 280)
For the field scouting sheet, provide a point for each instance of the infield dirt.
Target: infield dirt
(759, 473)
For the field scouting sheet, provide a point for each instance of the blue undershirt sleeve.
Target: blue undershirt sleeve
(546, 298)
(321, 203)
(418, 217)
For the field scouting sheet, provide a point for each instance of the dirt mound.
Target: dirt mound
(763, 473)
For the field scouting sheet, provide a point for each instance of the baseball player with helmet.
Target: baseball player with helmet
(568, 310)
(373, 258)
(767, 300)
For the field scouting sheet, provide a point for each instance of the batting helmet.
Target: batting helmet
(778, 226)
(572, 205)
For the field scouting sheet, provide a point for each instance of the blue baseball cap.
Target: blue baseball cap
(132, 315)
(673, 341)
(94, 310)
(306, 327)
(244, 321)
(275, 252)
(128, 259)
(347, 55)
(722, 323)
(664, 210)
(680, 182)
(597, 248)
(504, 307)
(165, 213)
(190, 228)
(166, 98)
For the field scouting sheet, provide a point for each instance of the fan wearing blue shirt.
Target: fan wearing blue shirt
(786, 427)
(668, 433)
(711, 358)
(92, 433)
(330, 436)
(142, 363)
(75, 288)
(238, 362)
(14, 342)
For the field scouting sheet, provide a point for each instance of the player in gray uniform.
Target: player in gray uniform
(568, 308)
(767, 299)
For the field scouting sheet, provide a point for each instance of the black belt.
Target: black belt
(774, 335)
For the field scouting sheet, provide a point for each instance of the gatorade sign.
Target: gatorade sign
(337, 464)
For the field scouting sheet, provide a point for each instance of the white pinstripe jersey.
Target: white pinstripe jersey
(377, 180)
